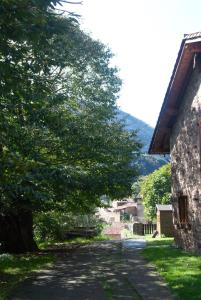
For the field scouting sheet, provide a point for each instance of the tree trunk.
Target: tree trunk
(16, 232)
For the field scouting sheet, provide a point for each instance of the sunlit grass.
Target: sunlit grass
(181, 270)
(73, 241)
(152, 242)
(15, 268)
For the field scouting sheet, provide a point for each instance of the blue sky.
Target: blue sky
(145, 37)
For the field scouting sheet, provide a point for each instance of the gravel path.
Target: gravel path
(111, 270)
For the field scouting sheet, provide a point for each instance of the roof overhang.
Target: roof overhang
(164, 207)
(190, 46)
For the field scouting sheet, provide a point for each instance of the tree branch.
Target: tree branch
(70, 2)
(69, 12)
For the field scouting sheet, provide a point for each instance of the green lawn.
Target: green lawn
(15, 268)
(181, 270)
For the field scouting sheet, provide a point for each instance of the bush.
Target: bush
(54, 225)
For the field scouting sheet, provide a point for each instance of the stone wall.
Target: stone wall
(186, 165)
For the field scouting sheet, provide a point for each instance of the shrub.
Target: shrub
(54, 225)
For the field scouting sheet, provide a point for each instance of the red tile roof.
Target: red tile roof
(114, 229)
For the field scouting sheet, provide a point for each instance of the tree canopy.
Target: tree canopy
(61, 145)
(155, 188)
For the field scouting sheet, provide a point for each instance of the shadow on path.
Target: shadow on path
(102, 271)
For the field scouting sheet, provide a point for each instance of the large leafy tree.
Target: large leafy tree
(60, 144)
(155, 188)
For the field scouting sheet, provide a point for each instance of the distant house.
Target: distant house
(164, 220)
(178, 132)
(108, 215)
(124, 210)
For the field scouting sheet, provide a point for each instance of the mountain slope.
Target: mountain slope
(145, 131)
(147, 163)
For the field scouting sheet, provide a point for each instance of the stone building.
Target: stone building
(178, 132)
(164, 220)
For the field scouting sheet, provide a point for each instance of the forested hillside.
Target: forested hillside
(147, 163)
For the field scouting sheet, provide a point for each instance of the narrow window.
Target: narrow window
(183, 209)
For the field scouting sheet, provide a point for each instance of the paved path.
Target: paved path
(142, 274)
(133, 244)
(111, 270)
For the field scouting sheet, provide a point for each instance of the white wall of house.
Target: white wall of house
(109, 216)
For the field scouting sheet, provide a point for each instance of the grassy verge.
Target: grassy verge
(181, 270)
(15, 268)
(163, 242)
(78, 240)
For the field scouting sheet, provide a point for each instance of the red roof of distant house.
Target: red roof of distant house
(116, 228)
(112, 231)
(190, 46)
